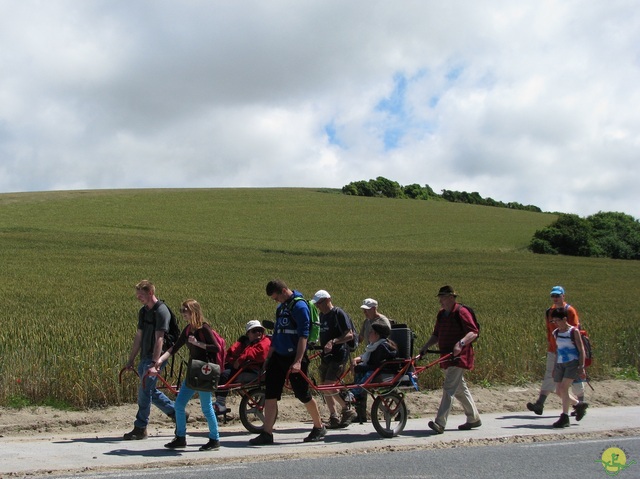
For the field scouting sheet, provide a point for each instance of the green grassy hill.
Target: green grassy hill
(70, 261)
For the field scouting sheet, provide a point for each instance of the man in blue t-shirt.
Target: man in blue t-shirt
(288, 355)
(336, 330)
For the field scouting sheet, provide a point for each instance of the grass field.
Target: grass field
(70, 260)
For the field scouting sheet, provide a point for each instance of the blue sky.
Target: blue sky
(509, 99)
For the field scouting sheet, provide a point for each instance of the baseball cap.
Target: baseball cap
(320, 295)
(557, 290)
(253, 324)
(369, 303)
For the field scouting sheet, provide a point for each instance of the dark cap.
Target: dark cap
(447, 291)
(382, 327)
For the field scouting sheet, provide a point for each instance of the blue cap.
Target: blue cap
(557, 290)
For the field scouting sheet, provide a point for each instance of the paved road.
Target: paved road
(82, 452)
(565, 458)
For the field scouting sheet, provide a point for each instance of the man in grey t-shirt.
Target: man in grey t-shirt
(153, 322)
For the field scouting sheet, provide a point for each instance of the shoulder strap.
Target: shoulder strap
(154, 310)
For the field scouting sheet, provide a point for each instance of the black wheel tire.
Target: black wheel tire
(389, 414)
(252, 410)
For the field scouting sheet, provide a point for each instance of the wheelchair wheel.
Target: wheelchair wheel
(389, 414)
(252, 410)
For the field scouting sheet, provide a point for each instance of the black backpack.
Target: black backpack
(170, 336)
(352, 343)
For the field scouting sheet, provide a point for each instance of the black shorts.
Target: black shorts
(276, 374)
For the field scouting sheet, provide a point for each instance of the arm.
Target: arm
(577, 338)
(135, 349)
(302, 317)
(237, 349)
(302, 348)
(343, 338)
(255, 353)
(430, 342)
(471, 331)
(157, 353)
(210, 345)
(157, 347)
(169, 352)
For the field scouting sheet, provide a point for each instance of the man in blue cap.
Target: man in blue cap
(548, 385)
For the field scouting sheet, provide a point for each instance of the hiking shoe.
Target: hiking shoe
(316, 434)
(263, 439)
(334, 423)
(348, 416)
(535, 407)
(562, 422)
(580, 410)
(436, 427)
(136, 434)
(467, 426)
(178, 442)
(212, 445)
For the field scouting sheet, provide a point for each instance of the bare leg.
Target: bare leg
(270, 413)
(314, 412)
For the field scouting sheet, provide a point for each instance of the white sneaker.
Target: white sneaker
(219, 408)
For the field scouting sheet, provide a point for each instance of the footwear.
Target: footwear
(219, 408)
(436, 427)
(316, 434)
(263, 439)
(334, 423)
(361, 409)
(136, 434)
(562, 422)
(467, 426)
(178, 442)
(535, 407)
(580, 410)
(348, 416)
(212, 445)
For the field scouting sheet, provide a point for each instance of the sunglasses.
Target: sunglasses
(256, 331)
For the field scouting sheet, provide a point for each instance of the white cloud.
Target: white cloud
(505, 98)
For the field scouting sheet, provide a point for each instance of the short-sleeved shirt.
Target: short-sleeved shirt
(333, 325)
(150, 322)
(451, 327)
(366, 326)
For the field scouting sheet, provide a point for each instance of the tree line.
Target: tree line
(605, 234)
(383, 187)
